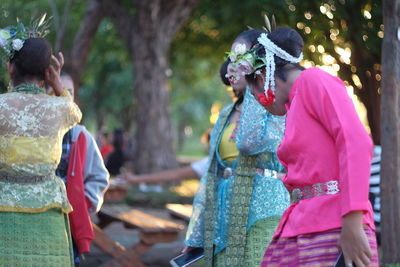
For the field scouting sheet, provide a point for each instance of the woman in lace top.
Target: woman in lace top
(33, 205)
(240, 200)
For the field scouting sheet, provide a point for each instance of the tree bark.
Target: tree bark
(155, 26)
(148, 33)
(76, 59)
(390, 168)
(60, 22)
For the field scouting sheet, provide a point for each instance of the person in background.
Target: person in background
(116, 158)
(82, 170)
(374, 189)
(105, 145)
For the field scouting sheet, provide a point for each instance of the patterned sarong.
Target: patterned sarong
(315, 249)
(257, 239)
(35, 239)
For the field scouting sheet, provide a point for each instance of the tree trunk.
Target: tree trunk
(76, 59)
(154, 146)
(390, 168)
(154, 134)
(148, 32)
(371, 99)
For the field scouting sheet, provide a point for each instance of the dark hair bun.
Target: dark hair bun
(250, 37)
(289, 40)
(33, 58)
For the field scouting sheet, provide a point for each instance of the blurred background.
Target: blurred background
(151, 68)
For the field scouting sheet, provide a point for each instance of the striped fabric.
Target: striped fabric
(374, 189)
(316, 249)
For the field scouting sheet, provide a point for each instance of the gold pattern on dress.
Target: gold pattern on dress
(68, 209)
(32, 125)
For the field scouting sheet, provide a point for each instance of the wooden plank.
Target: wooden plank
(131, 257)
(157, 237)
(181, 211)
(106, 244)
(135, 218)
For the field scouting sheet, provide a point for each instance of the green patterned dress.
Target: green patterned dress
(34, 229)
(235, 216)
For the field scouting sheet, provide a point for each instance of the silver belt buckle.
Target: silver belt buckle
(267, 173)
(296, 195)
(227, 173)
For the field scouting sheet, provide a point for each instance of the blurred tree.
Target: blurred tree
(345, 34)
(390, 169)
(100, 56)
(106, 94)
(148, 28)
(76, 56)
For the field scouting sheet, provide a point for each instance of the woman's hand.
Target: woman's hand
(353, 241)
(52, 74)
(186, 249)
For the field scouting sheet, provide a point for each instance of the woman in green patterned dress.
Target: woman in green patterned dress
(33, 204)
(240, 199)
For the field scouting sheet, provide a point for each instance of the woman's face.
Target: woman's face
(235, 75)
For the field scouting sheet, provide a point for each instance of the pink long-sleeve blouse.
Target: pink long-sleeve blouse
(324, 141)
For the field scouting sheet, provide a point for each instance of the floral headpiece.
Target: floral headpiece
(12, 38)
(247, 61)
(271, 50)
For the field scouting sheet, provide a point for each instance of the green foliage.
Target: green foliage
(10, 12)
(210, 31)
(106, 96)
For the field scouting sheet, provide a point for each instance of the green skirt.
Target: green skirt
(35, 239)
(257, 240)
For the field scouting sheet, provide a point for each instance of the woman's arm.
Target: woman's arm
(325, 98)
(353, 240)
(162, 176)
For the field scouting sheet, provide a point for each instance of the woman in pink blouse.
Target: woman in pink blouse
(327, 154)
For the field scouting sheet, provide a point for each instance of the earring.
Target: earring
(9, 87)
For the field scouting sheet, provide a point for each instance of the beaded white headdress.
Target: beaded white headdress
(271, 50)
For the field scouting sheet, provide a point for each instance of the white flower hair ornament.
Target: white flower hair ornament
(243, 62)
(12, 38)
(271, 50)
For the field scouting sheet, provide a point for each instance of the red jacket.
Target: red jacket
(80, 223)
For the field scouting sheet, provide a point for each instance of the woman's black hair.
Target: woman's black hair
(290, 41)
(32, 60)
(223, 70)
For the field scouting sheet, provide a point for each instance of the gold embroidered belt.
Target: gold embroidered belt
(315, 190)
(23, 179)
